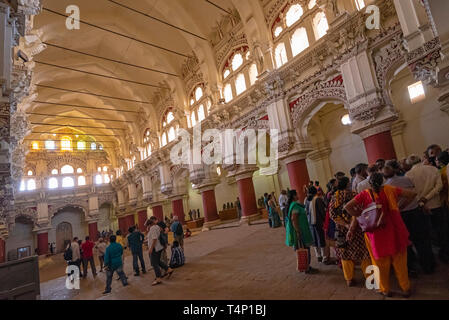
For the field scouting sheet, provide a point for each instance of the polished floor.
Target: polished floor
(247, 262)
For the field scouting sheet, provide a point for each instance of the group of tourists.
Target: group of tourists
(390, 214)
(111, 251)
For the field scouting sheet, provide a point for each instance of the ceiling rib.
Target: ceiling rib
(85, 107)
(100, 75)
(74, 117)
(119, 34)
(74, 126)
(157, 19)
(217, 6)
(80, 134)
(90, 94)
(111, 60)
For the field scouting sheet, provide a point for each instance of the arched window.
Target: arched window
(93, 146)
(29, 173)
(201, 114)
(68, 182)
(193, 118)
(170, 117)
(226, 73)
(240, 84)
(320, 25)
(81, 181)
(253, 74)
(54, 171)
(171, 134)
(237, 61)
(293, 14)
(164, 139)
(35, 145)
(360, 4)
(280, 55)
(81, 145)
(79, 170)
(312, 3)
(227, 92)
(105, 169)
(66, 144)
(67, 169)
(22, 186)
(106, 179)
(198, 93)
(299, 41)
(98, 179)
(52, 183)
(31, 185)
(50, 145)
(278, 31)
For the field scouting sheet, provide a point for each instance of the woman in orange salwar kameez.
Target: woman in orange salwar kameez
(388, 244)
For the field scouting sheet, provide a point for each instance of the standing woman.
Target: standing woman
(388, 243)
(273, 214)
(316, 212)
(350, 243)
(297, 227)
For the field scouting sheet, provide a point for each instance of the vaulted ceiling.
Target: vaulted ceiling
(86, 102)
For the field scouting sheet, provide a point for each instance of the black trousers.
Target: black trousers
(155, 258)
(419, 227)
(284, 214)
(138, 256)
(91, 261)
(440, 239)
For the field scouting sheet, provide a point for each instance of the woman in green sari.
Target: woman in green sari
(297, 227)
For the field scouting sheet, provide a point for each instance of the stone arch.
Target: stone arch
(304, 107)
(54, 209)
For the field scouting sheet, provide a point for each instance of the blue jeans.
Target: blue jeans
(138, 256)
(110, 274)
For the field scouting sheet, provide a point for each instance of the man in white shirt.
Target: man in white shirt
(76, 254)
(361, 174)
(428, 184)
(365, 183)
(155, 251)
(283, 201)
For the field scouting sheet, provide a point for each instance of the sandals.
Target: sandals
(169, 274)
(155, 283)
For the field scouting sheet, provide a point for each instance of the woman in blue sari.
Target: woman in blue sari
(273, 214)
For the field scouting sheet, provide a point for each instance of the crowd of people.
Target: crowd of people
(390, 214)
(111, 248)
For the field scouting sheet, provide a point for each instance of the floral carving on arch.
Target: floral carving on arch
(77, 204)
(330, 90)
(58, 162)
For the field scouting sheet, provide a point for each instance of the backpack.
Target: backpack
(68, 255)
(162, 240)
(179, 231)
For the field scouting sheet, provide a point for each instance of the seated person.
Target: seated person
(177, 255)
(188, 233)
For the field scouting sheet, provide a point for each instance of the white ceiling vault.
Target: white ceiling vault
(149, 45)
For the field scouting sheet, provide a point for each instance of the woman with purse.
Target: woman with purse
(273, 214)
(351, 251)
(298, 233)
(386, 235)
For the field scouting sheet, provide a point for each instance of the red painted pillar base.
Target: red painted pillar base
(158, 212)
(299, 177)
(93, 231)
(129, 222)
(2, 251)
(380, 146)
(178, 210)
(142, 217)
(210, 206)
(42, 243)
(247, 196)
(122, 225)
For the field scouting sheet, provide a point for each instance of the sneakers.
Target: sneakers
(106, 291)
(320, 259)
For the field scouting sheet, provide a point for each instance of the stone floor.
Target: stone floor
(247, 262)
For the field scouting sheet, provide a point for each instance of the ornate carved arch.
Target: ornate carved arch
(330, 90)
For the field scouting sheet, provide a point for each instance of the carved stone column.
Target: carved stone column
(247, 194)
(371, 115)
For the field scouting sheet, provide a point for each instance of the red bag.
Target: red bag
(302, 256)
